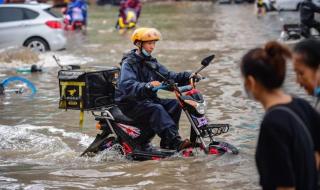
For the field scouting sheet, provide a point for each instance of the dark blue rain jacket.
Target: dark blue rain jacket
(131, 88)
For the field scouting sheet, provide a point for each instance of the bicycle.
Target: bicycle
(17, 85)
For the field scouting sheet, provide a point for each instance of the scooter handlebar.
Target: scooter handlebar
(185, 88)
(161, 87)
(165, 87)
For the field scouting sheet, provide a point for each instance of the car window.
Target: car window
(29, 14)
(8, 14)
(54, 12)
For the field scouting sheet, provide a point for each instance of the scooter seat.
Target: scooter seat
(120, 117)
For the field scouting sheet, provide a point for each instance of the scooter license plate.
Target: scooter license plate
(202, 121)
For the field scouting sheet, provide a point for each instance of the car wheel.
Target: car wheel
(37, 45)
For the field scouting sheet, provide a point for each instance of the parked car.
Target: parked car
(36, 26)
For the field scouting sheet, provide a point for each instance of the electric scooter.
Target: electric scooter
(295, 32)
(129, 138)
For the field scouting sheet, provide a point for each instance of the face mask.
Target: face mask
(317, 91)
(145, 53)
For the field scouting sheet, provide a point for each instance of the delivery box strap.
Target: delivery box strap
(72, 83)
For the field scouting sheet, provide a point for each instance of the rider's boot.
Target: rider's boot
(171, 140)
(147, 146)
(164, 142)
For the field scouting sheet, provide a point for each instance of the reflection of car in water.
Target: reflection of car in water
(35, 26)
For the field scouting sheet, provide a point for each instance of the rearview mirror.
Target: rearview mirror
(206, 61)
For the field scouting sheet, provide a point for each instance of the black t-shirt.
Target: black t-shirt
(284, 155)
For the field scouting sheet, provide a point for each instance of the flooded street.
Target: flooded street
(40, 144)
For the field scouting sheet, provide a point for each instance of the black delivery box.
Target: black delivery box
(87, 88)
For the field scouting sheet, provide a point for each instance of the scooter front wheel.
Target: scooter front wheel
(220, 147)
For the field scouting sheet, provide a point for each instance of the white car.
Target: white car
(35, 26)
(292, 4)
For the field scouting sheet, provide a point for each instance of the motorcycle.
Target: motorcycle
(295, 32)
(75, 16)
(129, 138)
(75, 25)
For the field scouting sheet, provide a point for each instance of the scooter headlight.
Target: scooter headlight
(200, 107)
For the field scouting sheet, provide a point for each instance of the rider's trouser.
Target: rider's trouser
(162, 115)
(306, 26)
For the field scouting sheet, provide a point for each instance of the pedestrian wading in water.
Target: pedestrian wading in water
(285, 154)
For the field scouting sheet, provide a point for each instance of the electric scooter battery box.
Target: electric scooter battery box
(87, 88)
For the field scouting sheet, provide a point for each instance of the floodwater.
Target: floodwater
(40, 144)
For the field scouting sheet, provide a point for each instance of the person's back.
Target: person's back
(278, 130)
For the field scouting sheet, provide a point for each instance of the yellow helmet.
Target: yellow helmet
(145, 34)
